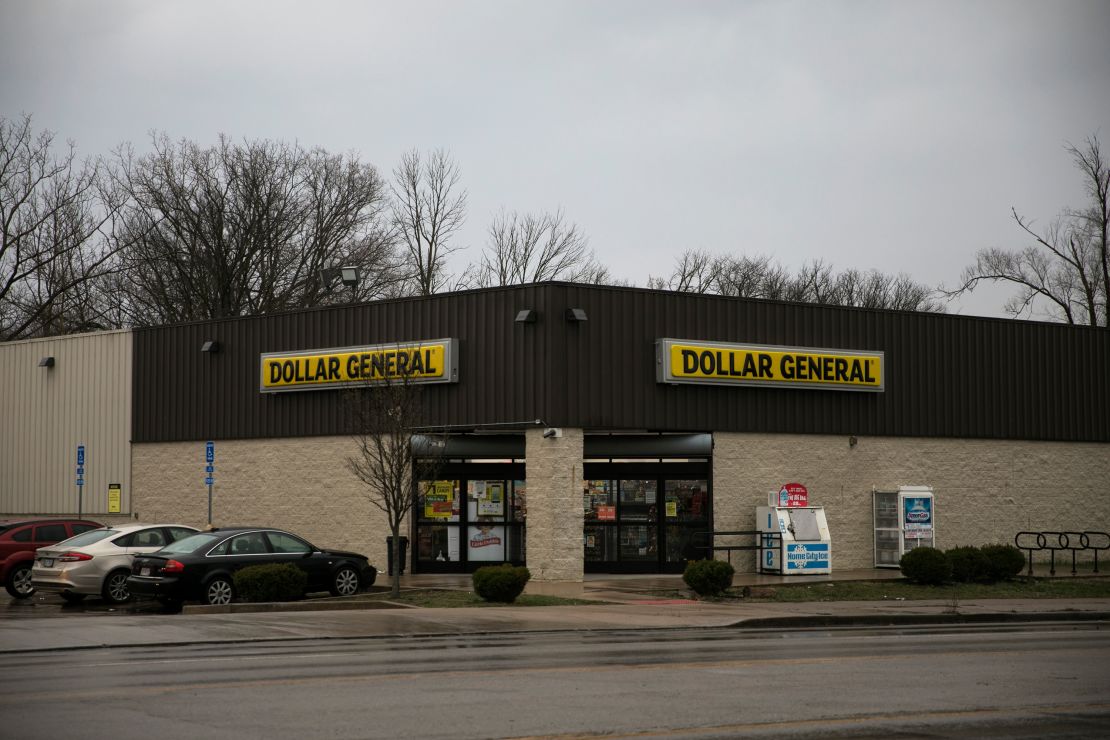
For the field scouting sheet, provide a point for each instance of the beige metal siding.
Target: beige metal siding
(46, 412)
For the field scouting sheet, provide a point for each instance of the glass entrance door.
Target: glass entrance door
(644, 518)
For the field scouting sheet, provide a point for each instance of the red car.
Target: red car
(20, 539)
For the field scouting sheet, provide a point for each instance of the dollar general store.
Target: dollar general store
(588, 428)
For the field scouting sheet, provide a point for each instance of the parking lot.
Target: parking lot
(53, 605)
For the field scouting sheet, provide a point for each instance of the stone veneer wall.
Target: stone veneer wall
(985, 490)
(554, 472)
(298, 484)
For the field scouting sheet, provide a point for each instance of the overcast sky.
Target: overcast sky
(888, 135)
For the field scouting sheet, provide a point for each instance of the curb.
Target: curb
(909, 620)
(755, 625)
(292, 606)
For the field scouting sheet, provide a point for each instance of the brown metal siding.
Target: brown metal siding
(947, 376)
(184, 394)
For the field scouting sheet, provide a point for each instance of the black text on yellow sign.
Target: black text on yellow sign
(413, 362)
(719, 363)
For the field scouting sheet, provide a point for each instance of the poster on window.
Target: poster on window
(486, 543)
(439, 499)
(492, 503)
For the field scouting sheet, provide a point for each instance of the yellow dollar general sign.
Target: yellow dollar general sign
(720, 363)
(433, 361)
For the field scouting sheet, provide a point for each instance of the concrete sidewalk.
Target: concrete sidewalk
(633, 602)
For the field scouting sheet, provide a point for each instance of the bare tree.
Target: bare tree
(54, 215)
(384, 416)
(816, 282)
(239, 229)
(429, 207)
(532, 248)
(1066, 270)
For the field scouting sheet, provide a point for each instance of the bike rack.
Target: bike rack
(1104, 546)
(1038, 545)
(1055, 542)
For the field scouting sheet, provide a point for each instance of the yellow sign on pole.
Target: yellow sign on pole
(115, 498)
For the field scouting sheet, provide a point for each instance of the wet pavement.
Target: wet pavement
(622, 603)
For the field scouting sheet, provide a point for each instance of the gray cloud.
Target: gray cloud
(885, 135)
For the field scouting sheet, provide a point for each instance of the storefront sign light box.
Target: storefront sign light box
(433, 361)
(681, 361)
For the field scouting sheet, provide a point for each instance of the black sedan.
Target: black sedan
(201, 567)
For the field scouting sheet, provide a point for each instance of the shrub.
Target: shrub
(273, 582)
(926, 565)
(708, 577)
(969, 565)
(501, 583)
(1003, 561)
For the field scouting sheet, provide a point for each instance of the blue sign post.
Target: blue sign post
(80, 478)
(209, 471)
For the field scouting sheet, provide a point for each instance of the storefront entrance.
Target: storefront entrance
(645, 517)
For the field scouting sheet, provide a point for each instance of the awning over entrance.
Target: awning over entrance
(647, 445)
(469, 446)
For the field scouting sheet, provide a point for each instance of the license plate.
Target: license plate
(144, 572)
(48, 562)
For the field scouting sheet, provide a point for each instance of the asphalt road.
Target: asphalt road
(1017, 681)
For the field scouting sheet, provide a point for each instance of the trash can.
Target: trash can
(404, 553)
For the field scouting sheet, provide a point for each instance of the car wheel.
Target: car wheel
(19, 582)
(219, 592)
(72, 597)
(345, 582)
(115, 590)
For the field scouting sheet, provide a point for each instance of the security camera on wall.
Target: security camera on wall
(552, 433)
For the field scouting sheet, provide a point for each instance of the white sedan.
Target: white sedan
(97, 563)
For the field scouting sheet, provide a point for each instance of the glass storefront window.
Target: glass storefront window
(686, 500)
(686, 542)
(486, 500)
(638, 501)
(438, 500)
(463, 520)
(637, 542)
(598, 501)
(437, 542)
(600, 543)
(520, 501)
(485, 543)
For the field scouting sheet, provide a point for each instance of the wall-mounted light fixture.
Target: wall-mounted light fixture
(211, 346)
(576, 314)
(852, 441)
(347, 274)
(527, 316)
(46, 362)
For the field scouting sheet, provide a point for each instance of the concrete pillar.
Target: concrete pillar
(554, 474)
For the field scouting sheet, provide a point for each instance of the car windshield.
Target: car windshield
(87, 538)
(192, 543)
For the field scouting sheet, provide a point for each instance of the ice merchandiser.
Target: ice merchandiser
(904, 519)
(804, 546)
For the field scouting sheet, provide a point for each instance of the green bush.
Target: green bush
(969, 565)
(926, 565)
(1004, 561)
(501, 583)
(274, 582)
(708, 577)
